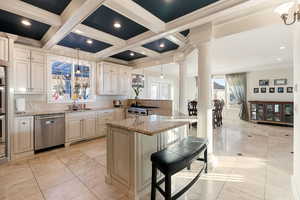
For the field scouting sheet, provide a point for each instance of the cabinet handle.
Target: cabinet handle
(24, 123)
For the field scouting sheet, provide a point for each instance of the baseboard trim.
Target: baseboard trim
(294, 189)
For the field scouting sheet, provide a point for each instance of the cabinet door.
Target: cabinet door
(124, 82)
(22, 54)
(37, 57)
(3, 49)
(23, 136)
(22, 71)
(37, 77)
(106, 82)
(89, 127)
(114, 82)
(73, 129)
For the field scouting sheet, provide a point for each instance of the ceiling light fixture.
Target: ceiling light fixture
(131, 54)
(26, 22)
(282, 48)
(89, 41)
(78, 68)
(78, 31)
(289, 12)
(279, 59)
(117, 25)
(162, 45)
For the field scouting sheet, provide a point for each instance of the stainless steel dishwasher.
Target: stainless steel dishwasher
(49, 131)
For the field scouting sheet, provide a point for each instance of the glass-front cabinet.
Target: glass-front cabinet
(69, 80)
(272, 112)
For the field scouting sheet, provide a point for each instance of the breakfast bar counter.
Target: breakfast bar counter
(131, 142)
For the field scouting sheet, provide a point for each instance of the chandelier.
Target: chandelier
(289, 12)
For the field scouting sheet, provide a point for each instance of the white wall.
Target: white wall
(253, 82)
(153, 76)
(296, 176)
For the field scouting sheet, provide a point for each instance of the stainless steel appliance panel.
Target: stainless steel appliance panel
(49, 131)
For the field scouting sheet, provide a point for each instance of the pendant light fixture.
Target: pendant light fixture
(161, 72)
(78, 69)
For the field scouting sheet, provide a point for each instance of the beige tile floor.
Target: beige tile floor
(77, 173)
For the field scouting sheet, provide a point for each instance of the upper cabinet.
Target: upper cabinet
(3, 49)
(29, 71)
(113, 79)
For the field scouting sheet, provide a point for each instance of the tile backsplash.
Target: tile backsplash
(39, 102)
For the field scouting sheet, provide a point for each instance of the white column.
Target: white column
(296, 176)
(182, 86)
(204, 92)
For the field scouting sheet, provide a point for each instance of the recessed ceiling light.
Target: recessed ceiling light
(117, 25)
(131, 54)
(89, 41)
(162, 45)
(279, 59)
(26, 22)
(78, 31)
(282, 48)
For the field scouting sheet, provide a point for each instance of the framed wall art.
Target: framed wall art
(264, 82)
(271, 90)
(263, 90)
(289, 89)
(280, 90)
(280, 81)
(255, 90)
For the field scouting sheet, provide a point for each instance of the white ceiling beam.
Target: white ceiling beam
(177, 38)
(28, 11)
(72, 16)
(145, 51)
(98, 35)
(194, 19)
(136, 13)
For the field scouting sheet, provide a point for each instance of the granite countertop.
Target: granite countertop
(150, 125)
(62, 111)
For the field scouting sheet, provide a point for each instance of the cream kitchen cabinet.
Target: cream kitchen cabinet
(3, 49)
(113, 79)
(81, 125)
(104, 117)
(23, 135)
(29, 71)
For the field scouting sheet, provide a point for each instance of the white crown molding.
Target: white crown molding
(27, 10)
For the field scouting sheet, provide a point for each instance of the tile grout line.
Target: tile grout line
(36, 180)
(79, 178)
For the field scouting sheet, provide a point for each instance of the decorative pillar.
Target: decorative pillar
(202, 37)
(182, 86)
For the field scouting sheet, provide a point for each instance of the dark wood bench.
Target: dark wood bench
(174, 159)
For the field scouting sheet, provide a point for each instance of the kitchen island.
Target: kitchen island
(130, 144)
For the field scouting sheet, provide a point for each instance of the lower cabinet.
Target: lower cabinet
(86, 125)
(23, 135)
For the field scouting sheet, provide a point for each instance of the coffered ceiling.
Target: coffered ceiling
(125, 30)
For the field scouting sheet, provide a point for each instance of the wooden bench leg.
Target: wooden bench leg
(153, 184)
(205, 160)
(168, 187)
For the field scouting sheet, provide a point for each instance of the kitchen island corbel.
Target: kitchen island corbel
(130, 144)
